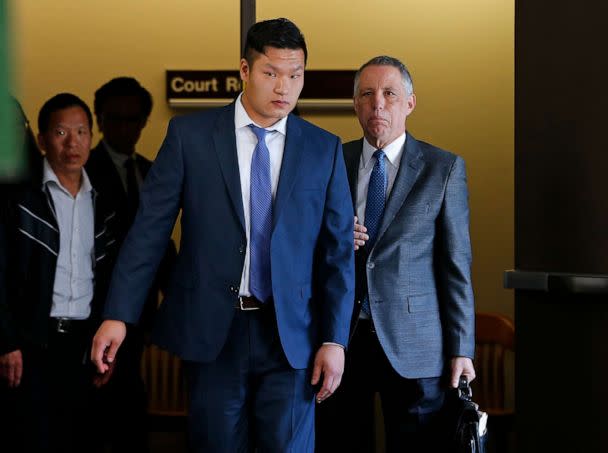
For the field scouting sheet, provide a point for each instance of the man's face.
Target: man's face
(382, 104)
(67, 142)
(121, 121)
(274, 82)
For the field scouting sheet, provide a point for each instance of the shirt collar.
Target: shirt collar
(242, 119)
(48, 176)
(392, 151)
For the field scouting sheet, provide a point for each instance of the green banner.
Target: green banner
(11, 158)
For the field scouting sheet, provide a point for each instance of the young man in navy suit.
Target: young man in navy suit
(266, 224)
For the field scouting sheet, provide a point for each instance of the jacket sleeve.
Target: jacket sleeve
(454, 266)
(146, 242)
(335, 272)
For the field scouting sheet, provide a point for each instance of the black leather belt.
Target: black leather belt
(67, 325)
(247, 303)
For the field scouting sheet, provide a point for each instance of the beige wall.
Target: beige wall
(460, 55)
(77, 45)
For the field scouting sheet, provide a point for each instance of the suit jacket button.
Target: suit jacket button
(370, 265)
(242, 249)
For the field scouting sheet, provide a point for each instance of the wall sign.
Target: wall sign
(322, 89)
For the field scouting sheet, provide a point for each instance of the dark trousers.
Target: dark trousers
(123, 400)
(51, 410)
(411, 407)
(250, 399)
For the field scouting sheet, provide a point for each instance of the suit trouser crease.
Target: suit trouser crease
(250, 396)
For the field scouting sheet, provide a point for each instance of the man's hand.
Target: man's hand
(99, 380)
(461, 366)
(106, 342)
(360, 236)
(11, 367)
(329, 362)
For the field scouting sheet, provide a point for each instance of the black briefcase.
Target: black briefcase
(469, 424)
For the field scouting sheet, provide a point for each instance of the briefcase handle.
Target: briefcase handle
(464, 389)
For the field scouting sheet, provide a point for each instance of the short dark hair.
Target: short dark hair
(278, 33)
(58, 102)
(120, 87)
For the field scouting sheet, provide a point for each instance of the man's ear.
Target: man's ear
(245, 70)
(411, 103)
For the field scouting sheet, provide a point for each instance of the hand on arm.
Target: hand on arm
(360, 234)
(329, 363)
(461, 366)
(106, 342)
(11, 367)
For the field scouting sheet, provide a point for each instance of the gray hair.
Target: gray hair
(384, 60)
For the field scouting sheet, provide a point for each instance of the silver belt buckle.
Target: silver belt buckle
(62, 325)
(246, 309)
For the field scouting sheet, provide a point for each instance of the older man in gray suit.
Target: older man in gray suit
(414, 318)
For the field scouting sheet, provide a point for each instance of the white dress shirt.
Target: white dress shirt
(119, 160)
(73, 286)
(393, 151)
(246, 142)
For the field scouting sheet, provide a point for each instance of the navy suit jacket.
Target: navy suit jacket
(418, 272)
(311, 245)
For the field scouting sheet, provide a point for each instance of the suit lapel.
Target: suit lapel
(352, 158)
(409, 169)
(292, 153)
(224, 140)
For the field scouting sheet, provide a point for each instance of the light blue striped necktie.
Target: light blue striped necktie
(260, 283)
(374, 208)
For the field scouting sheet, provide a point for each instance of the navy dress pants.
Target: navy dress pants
(250, 399)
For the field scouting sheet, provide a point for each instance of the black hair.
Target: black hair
(58, 102)
(278, 33)
(119, 87)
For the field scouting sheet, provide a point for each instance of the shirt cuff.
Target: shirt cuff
(334, 344)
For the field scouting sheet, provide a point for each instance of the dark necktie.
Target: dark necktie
(260, 283)
(132, 189)
(374, 207)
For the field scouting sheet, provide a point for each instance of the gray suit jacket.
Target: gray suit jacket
(418, 271)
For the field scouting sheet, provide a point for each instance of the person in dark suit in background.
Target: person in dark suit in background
(57, 247)
(266, 223)
(414, 318)
(122, 108)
